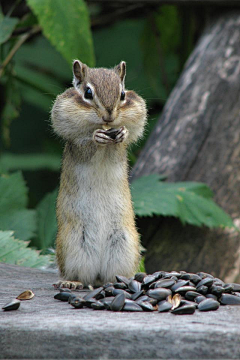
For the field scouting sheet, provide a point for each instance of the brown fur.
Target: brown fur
(97, 237)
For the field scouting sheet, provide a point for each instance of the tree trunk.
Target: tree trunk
(197, 138)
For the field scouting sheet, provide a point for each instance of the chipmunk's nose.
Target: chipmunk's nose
(107, 119)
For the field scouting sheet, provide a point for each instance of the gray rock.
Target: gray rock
(50, 329)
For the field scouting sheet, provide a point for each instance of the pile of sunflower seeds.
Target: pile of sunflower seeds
(177, 292)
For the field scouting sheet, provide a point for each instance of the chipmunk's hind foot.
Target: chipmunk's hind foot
(73, 285)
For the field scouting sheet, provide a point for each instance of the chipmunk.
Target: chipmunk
(97, 237)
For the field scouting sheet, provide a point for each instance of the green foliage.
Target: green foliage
(39, 79)
(14, 216)
(11, 108)
(13, 201)
(141, 266)
(128, 49)
(39, 70)
(67, 27)
(7, 25)
(39, 224)
(160, 45)
(191, 202)
(10, 162)
(47, 224)
(13, 251)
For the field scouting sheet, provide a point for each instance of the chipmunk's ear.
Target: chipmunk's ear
(79, 72)
(120, 69)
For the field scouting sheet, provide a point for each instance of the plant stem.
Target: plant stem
(17, 45)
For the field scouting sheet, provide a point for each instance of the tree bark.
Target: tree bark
(197, 138)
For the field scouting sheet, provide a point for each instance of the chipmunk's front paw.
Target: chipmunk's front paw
(122, 135)
(100, 137)
(68, 284)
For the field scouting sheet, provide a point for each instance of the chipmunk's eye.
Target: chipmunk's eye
(122, 97)
(88, 93)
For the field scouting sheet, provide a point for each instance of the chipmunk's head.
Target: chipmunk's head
(102, 91)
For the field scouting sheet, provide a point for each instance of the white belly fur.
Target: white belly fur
(100, 204)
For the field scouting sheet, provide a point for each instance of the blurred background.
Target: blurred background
(148, 38)
(38, 41)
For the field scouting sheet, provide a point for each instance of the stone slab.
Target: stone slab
(45, 328)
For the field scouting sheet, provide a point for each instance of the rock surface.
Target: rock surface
(44, 328)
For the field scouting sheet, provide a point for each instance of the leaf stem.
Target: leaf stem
(17, 45)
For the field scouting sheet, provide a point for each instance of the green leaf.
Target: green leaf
(23, 221)
(35, 78)
(160, 42)
(29, 162)
(13, 192)
(197, 188)
(141, 266)
(13, 251)
(191, 202)
(46, 221)
(27, 21)
(7, 25)
(1, 14)
(13, 201)
(67, 27)
(41, 56)
(128, 49)
(11, 108)
(39, 79)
